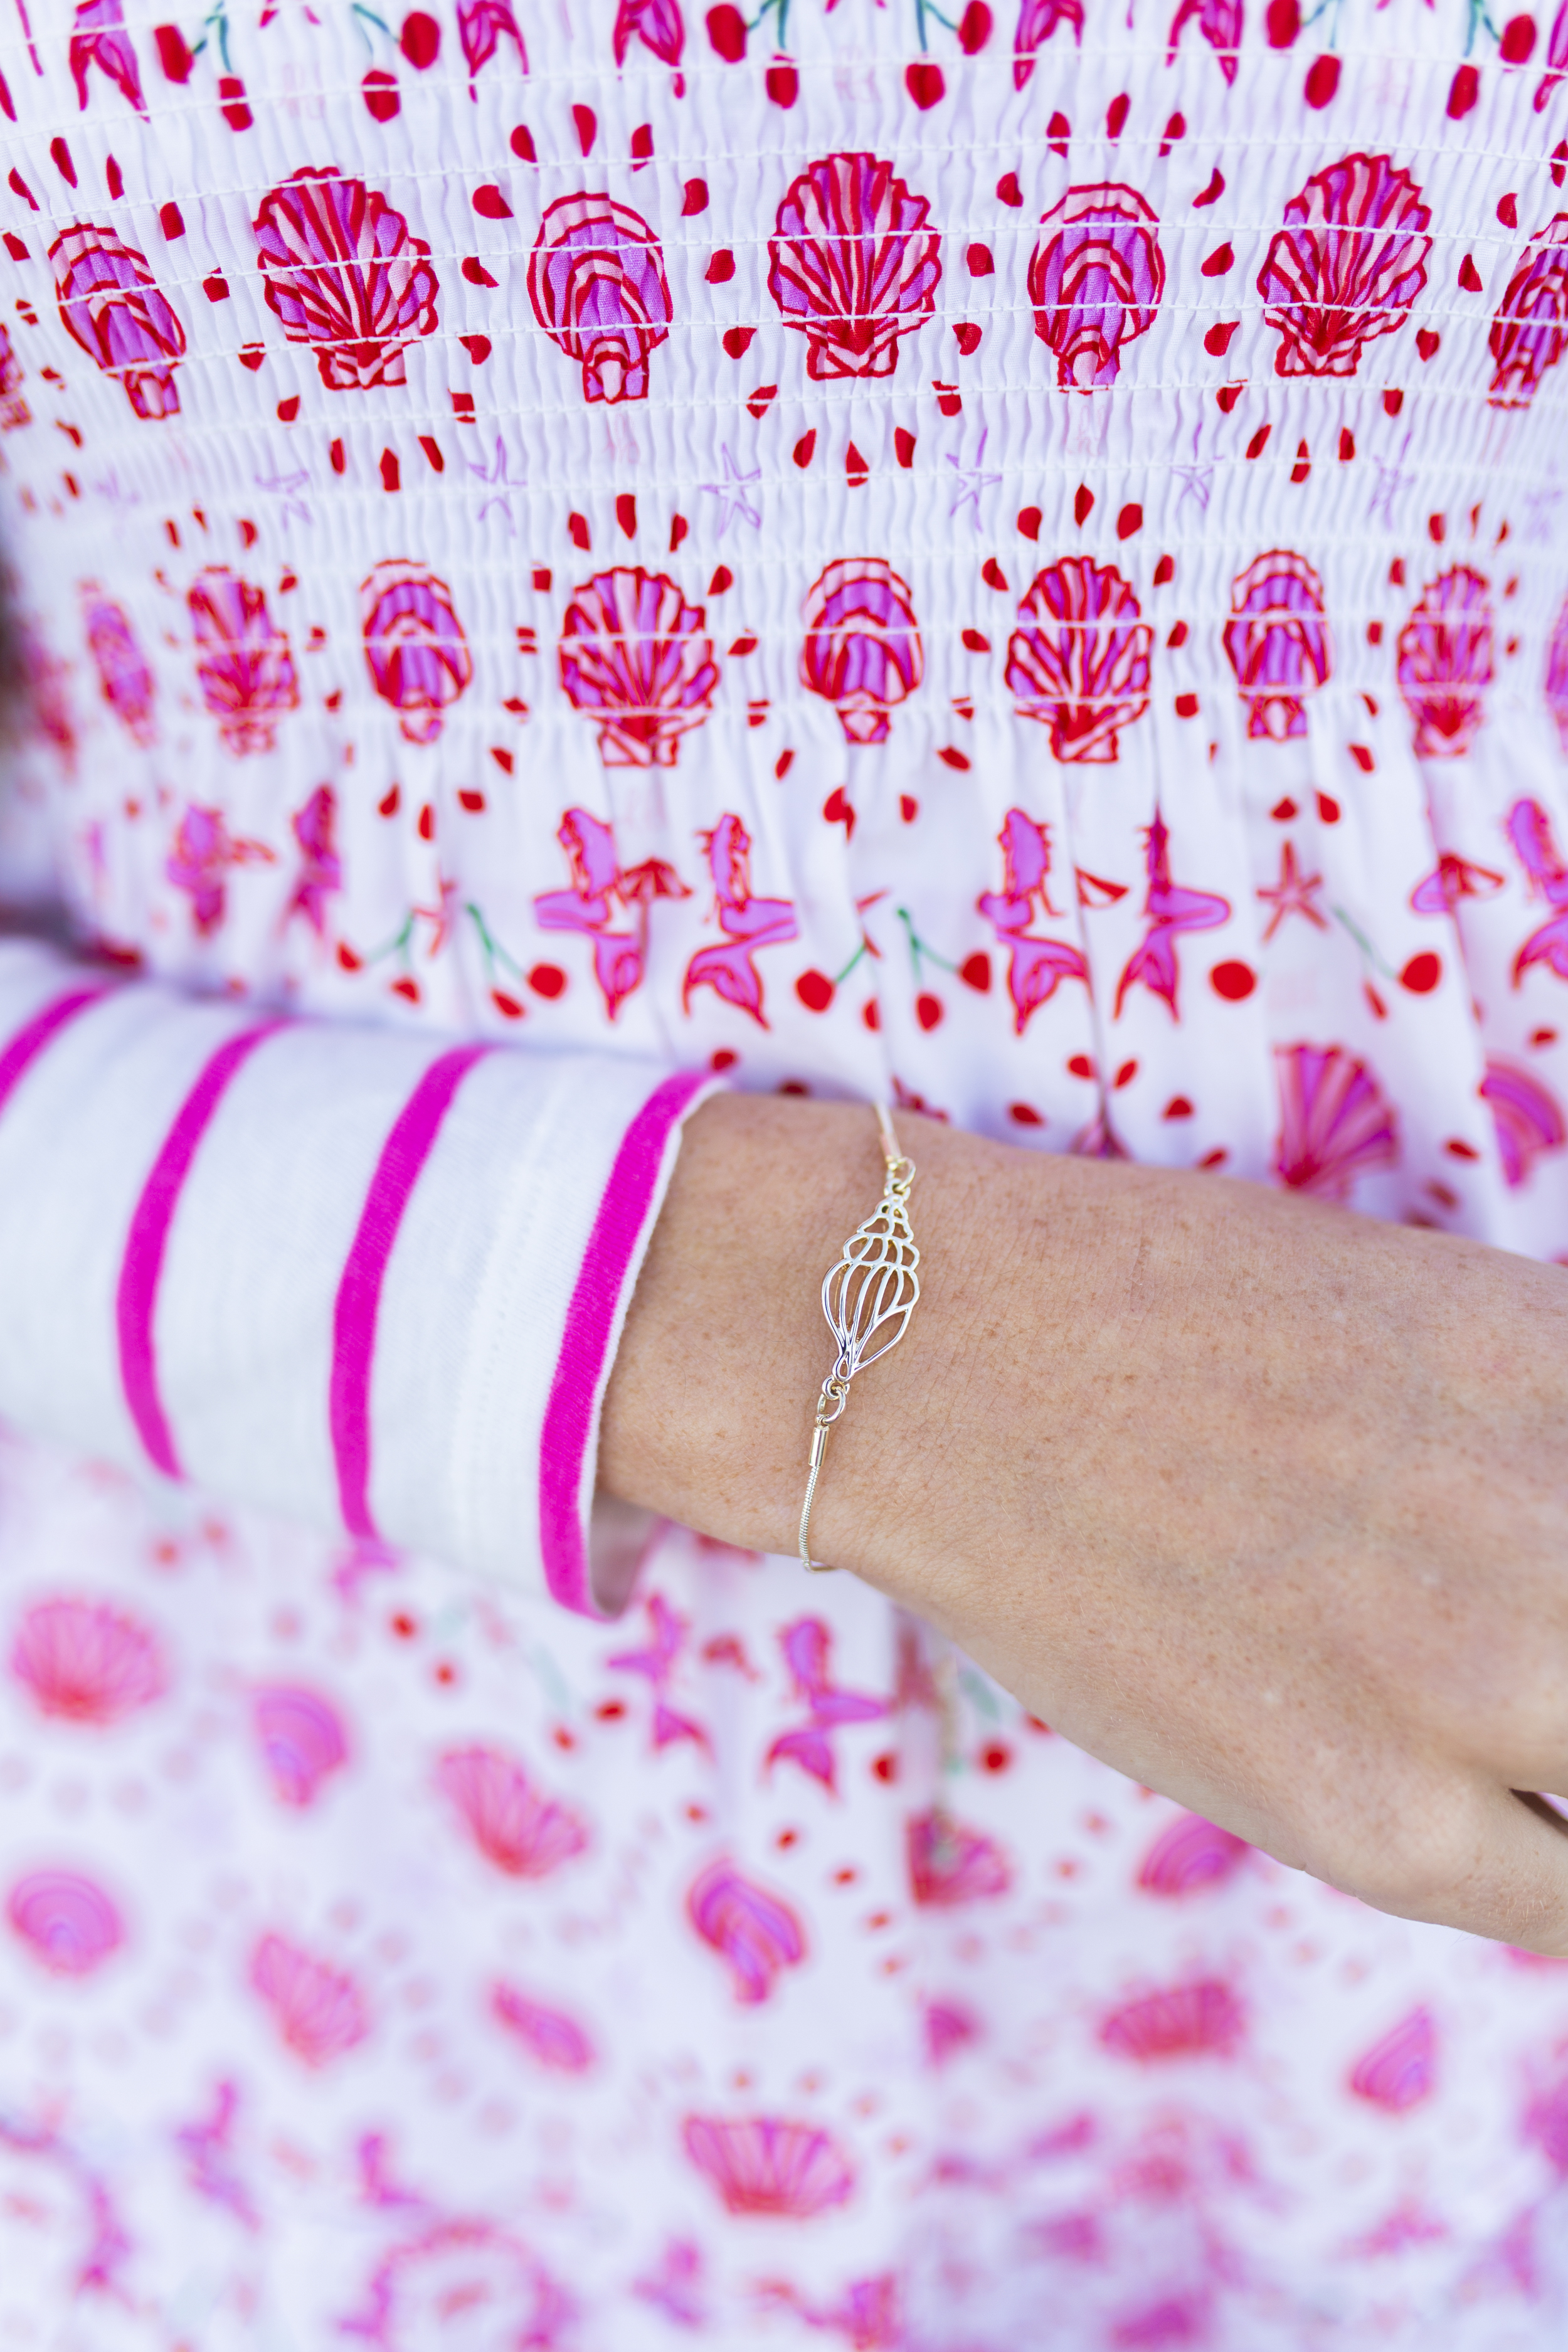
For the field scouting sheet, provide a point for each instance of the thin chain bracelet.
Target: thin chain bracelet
(868, 1298)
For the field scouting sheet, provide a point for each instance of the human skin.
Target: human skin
(1263, 1503)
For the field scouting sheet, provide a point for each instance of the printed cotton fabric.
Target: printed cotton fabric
(1014, 564)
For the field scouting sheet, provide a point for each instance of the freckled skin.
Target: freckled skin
(1263, 1503)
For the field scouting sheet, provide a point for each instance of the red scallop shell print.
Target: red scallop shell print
(597, 284)
(1445, 662)
(1201, 2019)
(762, 2164)
(1335, 1123)
(1557, 677)
(951, 1865)
(862, 650)
(1531, 328)
(1037, 20)
(855, 265)
(1095, 279)
(1347, 264)
(1400, 2070)
(244, 668)
(755, 1932)
(550, 2037)
(110, 305)
(522, 1833)
(124, 678)
(1276, 641)
(413, 646)
(301, 1739)
(635, 658)
(1079, 659)
(318, 2011)
(86, 1662)
(346, 277)
(67, 1921)
(1527, 1116)
(1190, 1857)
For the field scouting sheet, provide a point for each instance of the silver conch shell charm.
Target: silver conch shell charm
(867, 1298)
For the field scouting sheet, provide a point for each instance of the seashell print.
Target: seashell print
(301, 1740)
(1529, 830)
(1276, 641)
(67, 1922)
(1546, 2123)
(204, 852)
(950, 1864)
(524, 1834)
(1036, 967)
(853, 264)
(318, 2011)
(635, 658)
(862, 650)
(14, 410)
(1397, 2073)
(244, 669)
(1557, 677)
(109, 304)
(949, 2027)
(763, 2165)
(755, 1932)
(124, 680)
(463, 2287)
(87, 1662)
(1200, 2018)
(1347, 264)
(597, 284)
(98, 37)
(1528, 1118)
(414, 643)
(1079, 659)
(482, 26)
(1189, 1855)
(1334, 1122)
(320, 873)
(1531, 328)
(1037, 20)
(656, 23)
(1219, 22)
(1095, 279)
(344, 275)
(555, 2039)
(1445, 662)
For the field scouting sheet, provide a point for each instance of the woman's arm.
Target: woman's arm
(1265, 1503)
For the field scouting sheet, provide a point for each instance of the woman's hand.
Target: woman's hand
(1263, 1503)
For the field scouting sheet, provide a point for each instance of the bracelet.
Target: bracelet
(868, 1298)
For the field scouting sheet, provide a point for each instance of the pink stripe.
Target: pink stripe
(575, 1391)
(148, 1239)
(29, 1043)
(406, 1149)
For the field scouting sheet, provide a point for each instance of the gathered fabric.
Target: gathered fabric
(1013, 567)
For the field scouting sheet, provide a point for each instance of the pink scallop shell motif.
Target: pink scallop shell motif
(301, 1739)
(1397, 2073)
(86, 1663)
(862, 650)
(525, 1834)
(346, 277)
(461, 2286)
(1346, 266)
(413, 644)
(854, 265)
(635, 658)
(124, 680)
(1200, 2018)
(951, 1865)
(597, 284)
(1334, 1122)
(657, 25)
(1190, 1857)
(67, 1922)
(14, 409)
(1037, 20)
(1445, 662)
(1277, 642)
(318, 2011)
(112, 306)
(1095, 279)
(244, 668)
(1557, 677)
(763, 2165)
(548, 2035)
(1527, 1116)
(755, 1932)
(1079, 659)
(1531, 328)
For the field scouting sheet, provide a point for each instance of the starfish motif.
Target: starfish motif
(287, 486)
(1292, 894)
(731, 494)
(1391, 480)
(499, 484)
(974, 479)
(1540, 529)
(112, 489)
(1197, 481)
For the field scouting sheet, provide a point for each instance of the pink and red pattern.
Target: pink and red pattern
(597, 284)
(635, 658)
(1346, 266)
(853, 264)
(246, 670)
(413, 646)
(110, 305)
(1334, 1122)
(1079, 660)
(1096, 278)
(1531, 328)
(344, 275)
(1276, 641)
(862, 650)
(1445, 662)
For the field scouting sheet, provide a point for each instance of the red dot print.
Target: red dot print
(420, 40)
(547, 980)
(1422, 973)
(1233, 980)
(1329, 809)
(1322, 80)
(924, 83)
(1177, 1107)
(885, 1768)
(722, 1060)
(975, 971)
(997, 1757)
(928, 1010)
(1022, 1114)
(815, 991)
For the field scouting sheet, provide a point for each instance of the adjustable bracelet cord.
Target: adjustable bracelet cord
(867, 1299)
